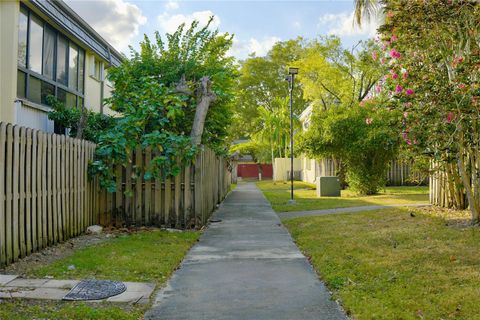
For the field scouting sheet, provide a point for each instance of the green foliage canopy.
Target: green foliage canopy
(364, 137)
(156, 94)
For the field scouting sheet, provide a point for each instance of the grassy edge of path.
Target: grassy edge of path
(278, 194)
(146, 256)
(395, 263)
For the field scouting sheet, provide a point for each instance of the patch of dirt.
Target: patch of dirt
(64, 249)
(453, 218)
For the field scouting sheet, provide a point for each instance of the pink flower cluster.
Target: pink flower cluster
(395, 54)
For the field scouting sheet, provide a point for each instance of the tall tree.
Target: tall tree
(433, 51)
(333, 75)
(170, 96)
(262, 83)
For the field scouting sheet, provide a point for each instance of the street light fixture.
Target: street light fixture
(292, 71)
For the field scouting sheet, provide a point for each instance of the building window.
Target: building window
(96, 69)
(48, 53)
(62, 51)
(35, 45)
(22, 38)
(48, 63)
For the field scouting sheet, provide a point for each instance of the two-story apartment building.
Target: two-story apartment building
(48, 49)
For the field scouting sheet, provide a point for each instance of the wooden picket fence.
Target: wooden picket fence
(400, 174)
(444, 187)
(46, 195)
(183, 201)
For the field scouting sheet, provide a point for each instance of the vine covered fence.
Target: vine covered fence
(46, 195)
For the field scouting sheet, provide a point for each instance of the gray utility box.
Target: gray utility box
(328, 187)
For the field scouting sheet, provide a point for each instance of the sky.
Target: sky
(256, 25)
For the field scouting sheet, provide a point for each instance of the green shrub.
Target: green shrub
(365, 138)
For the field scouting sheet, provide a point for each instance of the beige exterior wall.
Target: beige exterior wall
(9, 11)
(23, 112)
(107, 93)
(282, 165)
(93, 87)
(310, 168)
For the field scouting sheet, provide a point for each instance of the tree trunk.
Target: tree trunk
(273, 156)
(81, 124)
(468, 187)
(206, 97)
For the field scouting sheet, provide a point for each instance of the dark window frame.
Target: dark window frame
(57, 85)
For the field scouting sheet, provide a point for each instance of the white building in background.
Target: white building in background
(304, 169)
(48, 49)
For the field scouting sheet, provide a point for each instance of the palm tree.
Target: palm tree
(365, 9)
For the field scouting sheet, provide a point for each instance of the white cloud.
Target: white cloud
(297, 24)
(242, 48)
(342, 24)
(261, 48)
(169, 23)
(171, 5)
(118, 21)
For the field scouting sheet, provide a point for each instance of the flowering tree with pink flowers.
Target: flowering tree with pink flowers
(432, 52)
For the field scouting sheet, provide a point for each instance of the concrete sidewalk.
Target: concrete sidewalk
(312, 213)
(245, 267)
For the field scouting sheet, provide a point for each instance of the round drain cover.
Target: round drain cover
(95, 290)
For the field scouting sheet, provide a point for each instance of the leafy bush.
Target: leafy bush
(94, 123)
(365, 138)
(156, 94)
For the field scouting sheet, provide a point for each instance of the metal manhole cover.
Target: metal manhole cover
(95, 290)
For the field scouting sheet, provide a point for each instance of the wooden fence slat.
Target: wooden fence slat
(138, 187)
(158, 202)
(148, 190)
(187, 193)
(177, 199)
(9, 194)
(35, 188)
(22, 212)
(50, 206)
(44, 191)
(64, 181)
(68, 206)
(119, 211)
(167, 202)
(60, 178)
(128, 192)
(28, 191)
(56, 187)
(16, 196)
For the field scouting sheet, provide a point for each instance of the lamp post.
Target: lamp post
(291, 81)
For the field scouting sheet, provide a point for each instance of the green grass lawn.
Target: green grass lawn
(387, 264)
(278, 193)
(147, 256)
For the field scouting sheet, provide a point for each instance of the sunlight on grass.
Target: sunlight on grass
(392, 264)
(143, 256)
(278, 193)
(147, 256)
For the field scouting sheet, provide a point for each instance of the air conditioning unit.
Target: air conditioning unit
(297, 175)
(328, 187)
